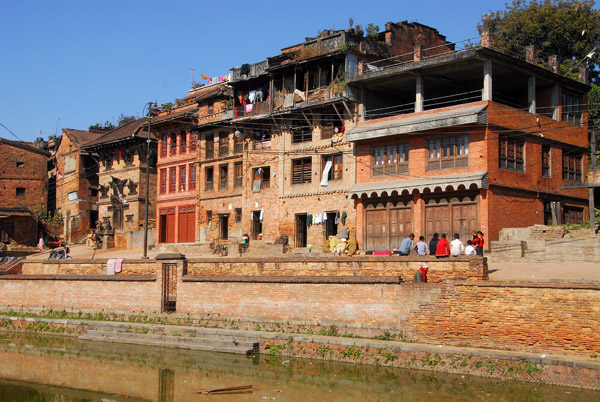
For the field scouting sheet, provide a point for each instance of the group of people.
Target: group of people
(441, 247)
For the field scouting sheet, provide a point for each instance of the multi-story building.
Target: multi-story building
(290, 114)
(23, 190)
(122, 182)
(465, 140)
(76, 173)
(178, 132)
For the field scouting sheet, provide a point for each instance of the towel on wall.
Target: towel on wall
(118, 264)
(110, 266)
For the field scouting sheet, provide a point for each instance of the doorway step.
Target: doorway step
(207, 339)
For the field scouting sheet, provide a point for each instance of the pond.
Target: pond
(40, 368)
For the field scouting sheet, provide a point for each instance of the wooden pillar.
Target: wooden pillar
(360, 219)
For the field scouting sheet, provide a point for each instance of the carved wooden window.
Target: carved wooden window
(301, 170)
(511, 153)
(451, 152)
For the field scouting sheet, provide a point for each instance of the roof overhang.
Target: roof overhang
(475, 180)
(423, 122)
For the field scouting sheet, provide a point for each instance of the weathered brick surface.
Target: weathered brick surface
(86, 267)
(405, 267)
(533, 316)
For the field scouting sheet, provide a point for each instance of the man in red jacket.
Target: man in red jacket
(443, 247)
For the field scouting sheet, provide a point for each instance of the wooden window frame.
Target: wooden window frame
(572, 167)
(546, 161)
(571, 109)
(337, 166)
(448, 152)
(163, 181)
(302, 170)
(223, 178)
(264, 177)
(193, 177)
(238, 215)
(209, 184)
(193, 140)
(172, 179)
(511, 154)
(182, 178)
(238, 172)
(223, 144)
(301, 133)
(390, 159)
(183, 142)
(163, 146)
(173, 144)
(209, 146)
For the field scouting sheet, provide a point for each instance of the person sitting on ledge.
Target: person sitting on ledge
(443, 247)
(421, 275)
(406, 245)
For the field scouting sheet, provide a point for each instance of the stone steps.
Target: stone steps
(184, 338)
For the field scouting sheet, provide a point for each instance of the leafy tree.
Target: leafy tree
(567, 28)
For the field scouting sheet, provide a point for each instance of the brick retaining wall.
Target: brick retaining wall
(459, 268)
(363, 297)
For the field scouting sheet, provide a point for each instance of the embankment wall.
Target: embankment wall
(359, 298)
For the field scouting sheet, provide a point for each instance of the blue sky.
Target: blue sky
(87, 61)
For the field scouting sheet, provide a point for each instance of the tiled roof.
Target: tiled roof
(80, 137)
(132, 129)
(28, 146)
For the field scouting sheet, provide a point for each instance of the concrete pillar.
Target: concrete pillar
(531, 94)
(419, 98)
(487, 81)
(418, 53)
(554, 102)
(362, 99)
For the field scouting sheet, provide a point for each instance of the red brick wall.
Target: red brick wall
(32, 176)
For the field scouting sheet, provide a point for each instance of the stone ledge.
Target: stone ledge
(299, 279)
(550, 284)
(100, 278)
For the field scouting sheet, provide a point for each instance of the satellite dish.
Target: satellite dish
(237, 133)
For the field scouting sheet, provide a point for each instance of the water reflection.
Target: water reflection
(34, 368)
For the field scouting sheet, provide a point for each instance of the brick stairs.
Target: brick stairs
(206, 339)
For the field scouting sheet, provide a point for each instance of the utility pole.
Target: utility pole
(192, 70)
(152, 112)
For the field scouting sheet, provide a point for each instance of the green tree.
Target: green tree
(567, 28)
(594, 113)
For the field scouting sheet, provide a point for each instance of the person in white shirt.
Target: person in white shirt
(456, 247)
(470, 250)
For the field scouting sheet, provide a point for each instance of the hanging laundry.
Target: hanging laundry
(325, 179)
(252, 96)
(337, 217)
(344, 216)
(205, 77)
(324, 216)
(309, 220)
(262, 211)
(249, 108)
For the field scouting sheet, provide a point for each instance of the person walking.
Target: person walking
(442, 249)
(456, 247)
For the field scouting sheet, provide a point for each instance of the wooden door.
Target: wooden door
(465, 220)
(186, 230)
(301, 230)
(170, 235)
(377, 229)
(400, 226)
(437, 220)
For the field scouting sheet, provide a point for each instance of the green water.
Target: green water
(35, 368)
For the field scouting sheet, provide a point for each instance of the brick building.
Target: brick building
(76, 184)
(178, 131)
(122, 182)
(23, 190)
(464, 141)
(291, 166)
